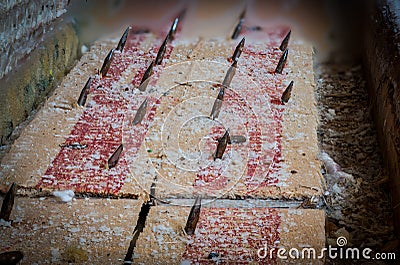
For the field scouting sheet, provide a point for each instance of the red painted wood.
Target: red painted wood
(235, 234)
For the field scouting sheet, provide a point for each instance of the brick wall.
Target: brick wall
(38, 49)
(22, 25)
(382, 62)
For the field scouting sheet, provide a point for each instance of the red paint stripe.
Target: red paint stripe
(265, 62)
(245, 230)
(262, 162)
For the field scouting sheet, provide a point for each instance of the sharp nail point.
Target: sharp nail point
(8, 202)
(113, 160)
(238, 50)
(287, 93)
(285, 41)
(239, 25)
(84, 93)
(237, 30)
(242, 14)
(122, 41)
(193, 217)
(141, 112)
(222, 143)
(146, 76)
(282, 62)
(161, 51)
(173, 28)
(107, 63)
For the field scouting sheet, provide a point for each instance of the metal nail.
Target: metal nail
(172, 30)
(229, 75)
(222, 143)
(237, 30)
(113, 160)
(122, 41)
(145, 79)
(217, 104)
(241, 16)
(285, 41)
(107, 63)
(238, 27)
(238, 50)
(287, 93)
(84, 93)
(282, 62)
(8, 203)
(140, 113)
(193, 217)
(216, 109)
(161, 51)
